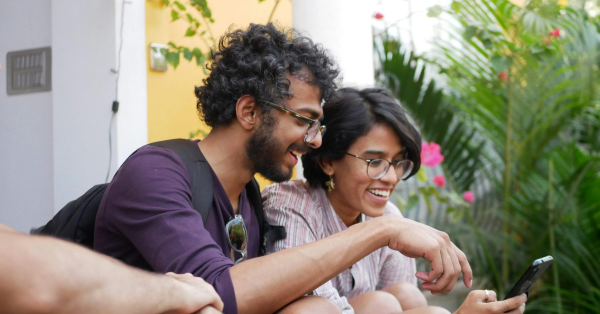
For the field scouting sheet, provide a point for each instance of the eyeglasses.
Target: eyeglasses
(237, 236)
(378, 167)
(314, 126)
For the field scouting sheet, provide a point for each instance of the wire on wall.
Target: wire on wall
(115, 104)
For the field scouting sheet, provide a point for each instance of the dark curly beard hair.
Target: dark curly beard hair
(265, 154)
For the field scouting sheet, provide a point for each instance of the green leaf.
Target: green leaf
(174, 15)
(435, 11)
(470, 31)
(201, 60)
(529, 38)
(200, 3)
(179, 5)
(422, 174)
(173, 58)
(172, 44)
(455, 6)
(413, 201)
(259, 1)
(499, 63)
(401, 203)
(187, 54)
(494, 28)
(190, 32)
(166, 2)
(207, 14)
(197, 52)
(189, 17)
(535, 49)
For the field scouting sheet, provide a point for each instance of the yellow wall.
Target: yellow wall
(171, 101)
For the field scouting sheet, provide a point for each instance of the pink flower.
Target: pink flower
(469, 196)
(430, 154)
(503, 76)
(439, 180)
(378, 16)
(554, 33)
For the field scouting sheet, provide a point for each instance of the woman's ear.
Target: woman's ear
(327, 166)
(246, 111)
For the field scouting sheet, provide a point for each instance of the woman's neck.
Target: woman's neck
(348, 215)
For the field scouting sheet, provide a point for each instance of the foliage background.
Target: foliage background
(518, 119)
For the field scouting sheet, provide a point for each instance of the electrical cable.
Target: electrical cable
(115, 105)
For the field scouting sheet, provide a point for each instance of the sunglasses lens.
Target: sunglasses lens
(236, 230)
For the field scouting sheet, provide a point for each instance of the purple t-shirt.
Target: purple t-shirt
(146, 220)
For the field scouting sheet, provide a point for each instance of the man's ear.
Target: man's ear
(246, 112)
(327, 166)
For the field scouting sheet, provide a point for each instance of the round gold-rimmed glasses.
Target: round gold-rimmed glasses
(378, 167)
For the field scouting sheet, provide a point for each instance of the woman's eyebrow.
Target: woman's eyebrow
(374, 152)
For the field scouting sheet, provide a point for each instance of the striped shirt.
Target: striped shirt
(308, 216)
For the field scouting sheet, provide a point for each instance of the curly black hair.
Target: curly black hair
(351, 114)
(255, 62)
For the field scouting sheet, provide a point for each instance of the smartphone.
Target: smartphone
(531, 275)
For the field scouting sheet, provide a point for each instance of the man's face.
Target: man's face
(274, 149)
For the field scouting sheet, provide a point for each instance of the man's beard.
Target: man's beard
(265, 153)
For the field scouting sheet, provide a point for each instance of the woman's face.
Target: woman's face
(355, 192)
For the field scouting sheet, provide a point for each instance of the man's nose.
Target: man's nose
(315, 142)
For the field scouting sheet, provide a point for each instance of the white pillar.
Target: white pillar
(132, 119)
(344, 28)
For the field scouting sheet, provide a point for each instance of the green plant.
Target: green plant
(198, 15)
(522, 84)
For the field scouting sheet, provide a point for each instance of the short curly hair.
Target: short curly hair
(255, 62)
(352, 113)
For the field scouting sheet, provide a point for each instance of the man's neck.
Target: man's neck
(225, 151)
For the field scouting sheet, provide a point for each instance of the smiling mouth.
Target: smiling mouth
(380, 193)
(296, 153)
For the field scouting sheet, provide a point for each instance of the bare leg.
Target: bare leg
(409, 296)
(375, 302)
(427, 310)
(309, 305)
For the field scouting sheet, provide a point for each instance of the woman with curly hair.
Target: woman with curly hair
(369, 147)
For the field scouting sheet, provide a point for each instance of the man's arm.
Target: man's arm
(265, 284)
(41, 274)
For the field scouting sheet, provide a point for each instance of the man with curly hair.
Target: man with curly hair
(263, 101)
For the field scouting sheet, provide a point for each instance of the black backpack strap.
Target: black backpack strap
(268, 233)
(198, 170)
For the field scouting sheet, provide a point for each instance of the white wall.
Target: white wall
(26, 156)
(83, 47)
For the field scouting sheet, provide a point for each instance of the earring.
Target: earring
(330, 185)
